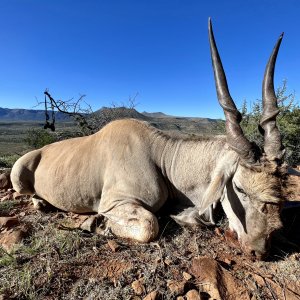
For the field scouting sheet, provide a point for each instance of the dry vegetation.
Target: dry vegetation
(58, 260)
(14, 134)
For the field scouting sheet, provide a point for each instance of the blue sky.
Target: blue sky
(112, 49)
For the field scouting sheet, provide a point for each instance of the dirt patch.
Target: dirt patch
(112, 269)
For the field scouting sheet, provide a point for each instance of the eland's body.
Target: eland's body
(128, 170)
(127, 162)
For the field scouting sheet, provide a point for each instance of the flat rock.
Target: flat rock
(9, 239)
(213, 279)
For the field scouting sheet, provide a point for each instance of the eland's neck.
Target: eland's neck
(187, 164)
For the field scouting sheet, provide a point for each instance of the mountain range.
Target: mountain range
(20, 114)
(157, 119)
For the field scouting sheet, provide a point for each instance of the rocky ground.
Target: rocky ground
(57, 255)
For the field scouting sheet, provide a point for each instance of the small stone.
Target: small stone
(151, 296)
(113, 245)
(10, 238)
(187, 276)
(192, 295)
(179, 298)
(8, 222)
(228, 261)
(167, 261)
(138, 287)
(89, 224)
(176, 287)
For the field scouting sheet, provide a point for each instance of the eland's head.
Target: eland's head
(254, 191)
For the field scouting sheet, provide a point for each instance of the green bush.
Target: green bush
(7, 161)
(288, 122)
(37, 138)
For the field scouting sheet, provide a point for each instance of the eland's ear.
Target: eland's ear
(224, 171)
(190, 217)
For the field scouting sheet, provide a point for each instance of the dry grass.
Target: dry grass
(71, 264)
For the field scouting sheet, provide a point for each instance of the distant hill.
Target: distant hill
(167, 122)
(156, 115)
(162, 116)
(20, 114)
(157, 119)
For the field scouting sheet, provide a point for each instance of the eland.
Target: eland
(128, 170)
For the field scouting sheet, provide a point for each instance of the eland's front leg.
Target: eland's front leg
(132, 221)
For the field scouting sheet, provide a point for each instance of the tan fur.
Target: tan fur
(262, 185)
(128, 170)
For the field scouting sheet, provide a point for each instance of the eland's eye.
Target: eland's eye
(240, 190)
